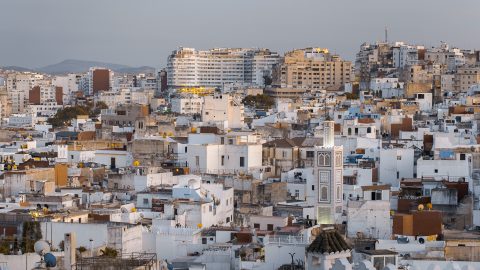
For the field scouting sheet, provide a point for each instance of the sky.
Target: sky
(35, 33)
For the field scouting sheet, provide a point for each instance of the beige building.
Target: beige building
(466, 77)
(312, 68)
(5, 103)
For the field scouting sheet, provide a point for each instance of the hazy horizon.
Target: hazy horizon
(143, 33)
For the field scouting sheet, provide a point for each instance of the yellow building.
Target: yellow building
(312, 68)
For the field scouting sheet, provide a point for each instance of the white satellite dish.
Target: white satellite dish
(41, 247)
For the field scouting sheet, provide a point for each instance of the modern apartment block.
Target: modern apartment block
(217, 67)
(313, 68)
(96, 80)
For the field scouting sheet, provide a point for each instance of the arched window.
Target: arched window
(324, 159)
(324, 194)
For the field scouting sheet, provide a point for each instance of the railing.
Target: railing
(285, 240)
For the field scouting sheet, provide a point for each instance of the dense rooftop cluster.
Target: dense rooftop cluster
(246, 159)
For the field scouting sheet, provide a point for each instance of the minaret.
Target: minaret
(328, 134)
(327, 186)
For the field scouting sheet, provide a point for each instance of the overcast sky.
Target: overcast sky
(35, 33)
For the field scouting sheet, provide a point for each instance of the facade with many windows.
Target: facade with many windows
(312, 68)
(217, 67)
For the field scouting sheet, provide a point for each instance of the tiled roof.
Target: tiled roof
(329, 241)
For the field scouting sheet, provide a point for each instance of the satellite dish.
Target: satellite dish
(50, 260)
(41, 247)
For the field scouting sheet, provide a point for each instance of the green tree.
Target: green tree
(99, 106)
(31, 234)
(259, 101)
(65, 115)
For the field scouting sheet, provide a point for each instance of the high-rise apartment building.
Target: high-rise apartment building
(18, 89)
(312, 68)
(96, 80)
(217, 67)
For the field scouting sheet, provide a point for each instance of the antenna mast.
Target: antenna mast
(386, 34)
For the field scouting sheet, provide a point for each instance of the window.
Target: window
(270, 227)
(230, 141)
(339, 194)
(376, 195)
(323, 159)
(145, 201)
(462, 156)
(242, 161)
(399, 157)
(310, 154)
(256, 225)
(222, 140)
(204, 240)
(223, 160)
(324, 194)
(186, 149)
(369, 130)
(297, 193)
(313, 187)
(398, 174)
(197, 161)
(436, 170)
(228, 219)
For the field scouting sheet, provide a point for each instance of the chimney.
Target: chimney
(70, 247)
(328, 133)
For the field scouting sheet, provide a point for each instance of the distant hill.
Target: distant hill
(20, 69)
(134, 70)
(79, 66)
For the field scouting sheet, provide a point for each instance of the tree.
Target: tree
(109, 252)
(259, 101)
(99, 106)
(65, 115)
(31, 234)
(351, 96)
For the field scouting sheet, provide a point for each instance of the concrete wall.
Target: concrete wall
(84, 232)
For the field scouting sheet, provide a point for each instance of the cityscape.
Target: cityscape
(242, 157)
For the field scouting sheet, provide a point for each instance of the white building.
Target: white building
(424, 101)
(405, 55)
(370, 216)
(395, 164)
(187, 105)
(217, 67)
(223, 153)
(224, 110)
(69, 86)
(190, 203)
